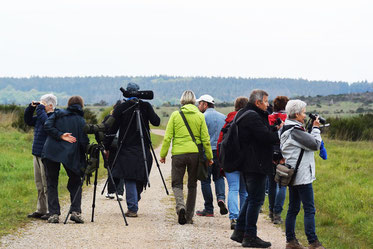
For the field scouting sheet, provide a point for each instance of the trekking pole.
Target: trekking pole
(76, 194)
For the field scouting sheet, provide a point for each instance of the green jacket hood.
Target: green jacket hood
(189, 108)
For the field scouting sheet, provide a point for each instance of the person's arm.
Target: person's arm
(169, 134)
(306, 140)
(28, 115)
(41, 114)
(152, 116)
(205, 139)
(53, 131)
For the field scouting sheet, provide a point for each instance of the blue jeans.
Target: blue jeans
(276, 196)
(237, 188)
(131, 195)
(214, 170)
(248, 217)
(298, 194)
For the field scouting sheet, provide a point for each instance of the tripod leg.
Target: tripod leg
(94, 195)
(115, 187)
(143, 145)
(118, 150)
(155, 157)
(76, 194)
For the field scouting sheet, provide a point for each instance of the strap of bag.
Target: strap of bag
(298, 162)
(188, 127)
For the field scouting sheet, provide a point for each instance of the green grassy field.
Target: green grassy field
(343, 196)
(17, 187)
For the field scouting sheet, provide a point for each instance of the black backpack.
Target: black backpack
(230, 154)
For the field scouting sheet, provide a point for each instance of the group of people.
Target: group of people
(266, 139)
(265, 142)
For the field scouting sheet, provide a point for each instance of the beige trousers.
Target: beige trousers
(41, 185)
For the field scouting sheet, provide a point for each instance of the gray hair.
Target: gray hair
(49, 99)
(188, 97)
(294, 107)
(257, 94)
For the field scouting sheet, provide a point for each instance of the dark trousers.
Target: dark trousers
(119, 183)
(298, 194)
(73, 185)
(248, 217)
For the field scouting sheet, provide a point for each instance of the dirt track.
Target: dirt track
(156, 226)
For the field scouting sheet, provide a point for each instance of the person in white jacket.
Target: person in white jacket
(294, 139)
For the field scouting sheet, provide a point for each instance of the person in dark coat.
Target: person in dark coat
(44, 109)
(66, 144)
(256, 140)
(119, 183)
(130, 164)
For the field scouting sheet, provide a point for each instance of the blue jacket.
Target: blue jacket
(38, 122)
(72, 155)
(215, 121)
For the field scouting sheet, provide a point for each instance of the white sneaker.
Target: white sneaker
(110, 196)
(120, 197)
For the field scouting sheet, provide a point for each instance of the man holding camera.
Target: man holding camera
(256, 140)
(130, 163)
(44, 109)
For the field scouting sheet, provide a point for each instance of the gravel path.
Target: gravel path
(156, 226)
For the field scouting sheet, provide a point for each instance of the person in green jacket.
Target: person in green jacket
(185, 153)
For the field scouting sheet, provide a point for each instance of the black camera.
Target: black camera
(137, 94)
(313, 116)
(278, 121)
(36, 102)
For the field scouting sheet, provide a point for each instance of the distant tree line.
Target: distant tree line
(166, 88)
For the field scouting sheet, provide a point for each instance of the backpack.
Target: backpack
(230, 155)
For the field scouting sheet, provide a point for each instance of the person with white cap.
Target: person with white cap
(215, 121)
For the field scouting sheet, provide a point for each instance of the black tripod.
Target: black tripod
(139, 121)
(101, 149)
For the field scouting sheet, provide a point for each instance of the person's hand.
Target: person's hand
(280, 125)
(316, 123)
(34, 103)
(211, 162)
(68, 138)
(106, 153)
(162, 160)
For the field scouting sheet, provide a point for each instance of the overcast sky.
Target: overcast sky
(317, 40)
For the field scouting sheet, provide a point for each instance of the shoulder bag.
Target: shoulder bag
(285, 174)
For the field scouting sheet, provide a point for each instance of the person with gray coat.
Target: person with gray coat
(294, 139)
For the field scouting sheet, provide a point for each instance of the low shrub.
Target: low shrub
(351, 128)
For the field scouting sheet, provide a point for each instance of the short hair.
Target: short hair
(257, 94)
(75, 100)
(279, 103)
(240, 103)
(294, 107)
(49, 99)
(188, 97)
(210, 105)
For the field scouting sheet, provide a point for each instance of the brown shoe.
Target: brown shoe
(130, 214)
(277, 219)
(316, 245)
(294, 244)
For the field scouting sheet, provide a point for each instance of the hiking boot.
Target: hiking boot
(110, 195)
(255, 242)
(75, 216)
(120, 197)
(223, 208)
(233, 224)
(316, 245)
(54, 218)
(189, 222)
(237, 236)
(130, 214)
(294, 244)
(35, 215)
(181, 219)
(45, 216)
(270, 215)
(204, 213)
(277, 219)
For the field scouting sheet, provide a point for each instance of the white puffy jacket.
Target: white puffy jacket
(292, 141)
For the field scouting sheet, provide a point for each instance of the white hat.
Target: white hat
(207, 98)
